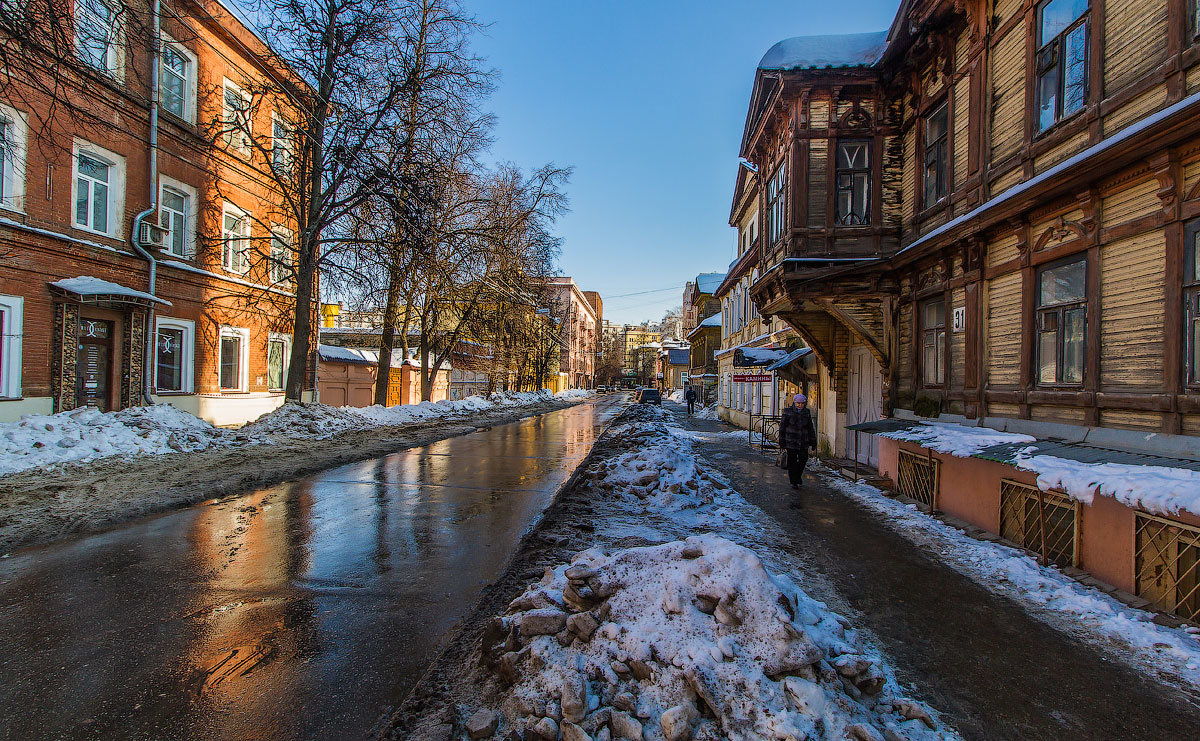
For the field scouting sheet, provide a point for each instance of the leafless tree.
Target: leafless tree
(337, 109)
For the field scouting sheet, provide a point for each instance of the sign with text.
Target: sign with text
(751, 378)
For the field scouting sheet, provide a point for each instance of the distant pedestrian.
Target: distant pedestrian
(690, 397)
(796, 437)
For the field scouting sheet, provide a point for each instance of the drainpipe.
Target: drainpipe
(155, 51)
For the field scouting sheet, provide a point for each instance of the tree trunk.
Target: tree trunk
(383, 373)
(301, 334)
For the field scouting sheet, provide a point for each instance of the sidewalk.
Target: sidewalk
(980, 659)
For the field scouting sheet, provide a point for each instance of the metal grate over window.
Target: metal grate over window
(1166, 561)
(918, 478)
(1043, 521)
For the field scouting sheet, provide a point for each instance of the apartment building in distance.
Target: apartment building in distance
(580, 331)
(123, 283)
(989, 214)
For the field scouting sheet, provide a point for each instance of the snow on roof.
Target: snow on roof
(709, 282)
(86, 285)
(712, 321)
(348, 354)
(819, 52)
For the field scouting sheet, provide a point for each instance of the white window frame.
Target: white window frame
(243, 361)
(113, 63)
(189, 79)
(191, 215)
(276, 272)
(238, 141)
(116, 187)
(285, 144)
(187, 372)
(12, 311)
(229, 254)
(287, 359)
(14, 128)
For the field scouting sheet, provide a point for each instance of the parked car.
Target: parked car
(602, 389)
(649, 396)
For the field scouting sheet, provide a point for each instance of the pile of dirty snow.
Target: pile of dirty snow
(84, 434)
(676, 396)
(708, 412)
(305, 420)
(689, 639)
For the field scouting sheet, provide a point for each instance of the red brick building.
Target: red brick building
(198, 279)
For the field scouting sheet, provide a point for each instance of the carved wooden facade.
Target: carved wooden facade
(1030, 249)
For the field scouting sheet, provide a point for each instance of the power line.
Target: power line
(642, 293)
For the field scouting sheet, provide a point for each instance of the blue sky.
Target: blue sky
(646, 100)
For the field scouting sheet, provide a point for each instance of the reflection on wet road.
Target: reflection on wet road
(296, 611)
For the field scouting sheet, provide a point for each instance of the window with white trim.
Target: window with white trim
(174, 361)
(279, 350)
(233, 359)
(99, 189)
(235, 239)
(236, 118)
(12, 309)
(177, 80)
(13, 129)
(282, 145)
(282, 262)
(98, 35)
(175, 217)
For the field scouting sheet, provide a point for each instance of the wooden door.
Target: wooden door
(93, 365)
(865, 403)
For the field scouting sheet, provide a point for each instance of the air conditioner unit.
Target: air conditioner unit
(152, 235)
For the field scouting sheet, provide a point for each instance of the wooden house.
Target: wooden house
(990, 214)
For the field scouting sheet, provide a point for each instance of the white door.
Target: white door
(865, 403)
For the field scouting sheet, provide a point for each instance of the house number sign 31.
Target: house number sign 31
(958, 319)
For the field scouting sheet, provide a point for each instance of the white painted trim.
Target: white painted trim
(12, 308)
(191, 216)
(190, 78)
(13, 186)
(287, 358)
(242, 214)
(188, 361)
(243, 361)
(116, 187)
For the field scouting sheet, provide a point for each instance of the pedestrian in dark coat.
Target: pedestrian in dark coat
(796, 437)
(690, 397)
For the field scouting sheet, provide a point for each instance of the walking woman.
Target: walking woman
(797, 437)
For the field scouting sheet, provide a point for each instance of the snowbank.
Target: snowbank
(38, 440)
(1046, 592)
(86, 434)
(956, 440)
(1167, 491)
(708, 412)
(690, 639)
(676, 396)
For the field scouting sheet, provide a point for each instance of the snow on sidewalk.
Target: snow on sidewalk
(86, 434)
(1045, 592)
(690, 639)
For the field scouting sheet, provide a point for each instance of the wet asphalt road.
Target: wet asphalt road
(298, 611)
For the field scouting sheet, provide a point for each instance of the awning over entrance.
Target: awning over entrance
(794, 365)
(97, 291)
